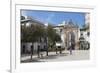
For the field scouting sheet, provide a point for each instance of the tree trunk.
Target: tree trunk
(47, 51)
(56, 50)
(32, 51)
(60, 50)
(38, 51)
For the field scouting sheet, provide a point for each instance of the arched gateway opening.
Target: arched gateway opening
(70, 40)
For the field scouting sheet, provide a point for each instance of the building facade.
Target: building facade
(41, 43)
(85, 33)
(69, 33)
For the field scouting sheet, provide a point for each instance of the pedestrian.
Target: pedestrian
(70, 48)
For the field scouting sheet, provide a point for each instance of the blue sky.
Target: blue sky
(54, 17)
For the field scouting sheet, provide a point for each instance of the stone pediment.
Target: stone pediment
(69, 24)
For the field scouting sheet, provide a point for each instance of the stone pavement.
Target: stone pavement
(53, 57)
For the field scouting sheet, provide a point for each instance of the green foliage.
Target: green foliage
(22, 17)
(52, 36)
(34, 32)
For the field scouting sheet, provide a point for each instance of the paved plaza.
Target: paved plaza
(53, 57)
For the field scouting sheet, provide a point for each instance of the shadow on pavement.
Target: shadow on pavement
(64, 54)
(31, 60)
(49, 57)
(53, 56)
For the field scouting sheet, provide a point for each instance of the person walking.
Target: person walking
(70, 48)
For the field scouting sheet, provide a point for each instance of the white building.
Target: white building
(69, 32)
(85, 32)
(26, 47)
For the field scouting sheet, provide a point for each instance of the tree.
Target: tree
(32, 33)
(53, 37)
(58, 39)
(35, 32)
(50, 35)
(22, 17)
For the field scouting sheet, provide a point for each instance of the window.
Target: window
(88, 33)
